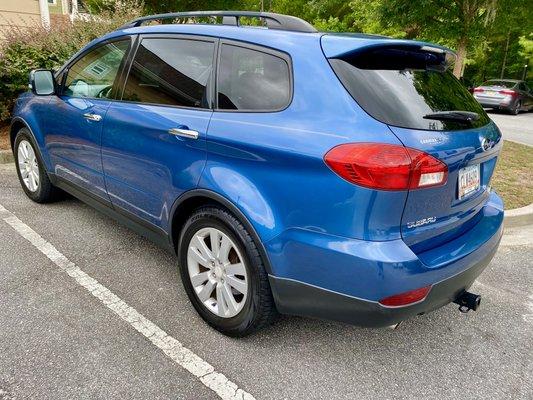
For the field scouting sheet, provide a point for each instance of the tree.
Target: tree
(458, 22)
(485, 33)
(526, 51)
(503, 47)
(164, 6)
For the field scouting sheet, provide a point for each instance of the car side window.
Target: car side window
(171, 71)
(94, 74)
(251, 80)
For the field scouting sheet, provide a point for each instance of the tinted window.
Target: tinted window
(93, 75)
(502, 84)
(252, 80)
(401, 87)
(171, 71)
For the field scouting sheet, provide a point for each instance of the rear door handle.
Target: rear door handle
(184, 132)
(92, 117)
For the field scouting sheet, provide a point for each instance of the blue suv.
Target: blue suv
(337, 176)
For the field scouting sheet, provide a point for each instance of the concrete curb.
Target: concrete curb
(6, 156)
(519, 216)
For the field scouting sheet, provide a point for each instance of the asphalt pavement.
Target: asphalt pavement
(59, 340)
(517, 128)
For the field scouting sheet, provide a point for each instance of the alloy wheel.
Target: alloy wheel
(217, 272)
(517, 108)
(28, 165)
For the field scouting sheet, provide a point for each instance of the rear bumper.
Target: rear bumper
(298, 298)
(502, 103)
(352, 284)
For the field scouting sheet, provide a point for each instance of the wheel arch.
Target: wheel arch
(16, 125)
(194, 199)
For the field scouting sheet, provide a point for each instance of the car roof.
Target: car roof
(504, 80)
(292, 42)
(275, 38)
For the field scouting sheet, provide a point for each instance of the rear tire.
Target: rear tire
(238, 315)
(516, 109)
(31, 170)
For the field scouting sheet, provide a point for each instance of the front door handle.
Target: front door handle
(184, 132)
(92, 117)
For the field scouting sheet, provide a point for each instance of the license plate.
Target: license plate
(490, 93)
(468, 180)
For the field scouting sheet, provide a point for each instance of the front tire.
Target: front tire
(223, 273)
(31, 171)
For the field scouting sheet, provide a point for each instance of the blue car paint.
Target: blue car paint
(316, 228)
(147, 183)
(73, 142)
(278, 178)
(457, 149)
(374, 270)
(343, 44)
(28, 111)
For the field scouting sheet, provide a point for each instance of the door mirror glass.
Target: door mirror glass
(42, 82)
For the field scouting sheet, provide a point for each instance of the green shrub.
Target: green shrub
(30, 48)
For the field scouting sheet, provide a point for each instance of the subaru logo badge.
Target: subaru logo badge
(485, 144)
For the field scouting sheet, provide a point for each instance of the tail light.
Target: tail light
(406, 298)
(508, 92)
(386, 166)
(478, 90)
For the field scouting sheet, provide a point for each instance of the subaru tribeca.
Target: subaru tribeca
(336, 176)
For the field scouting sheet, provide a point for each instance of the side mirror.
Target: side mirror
(42, 82)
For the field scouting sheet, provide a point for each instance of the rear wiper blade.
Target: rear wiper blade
(456, 116)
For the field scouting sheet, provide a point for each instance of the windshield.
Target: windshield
(401, 91)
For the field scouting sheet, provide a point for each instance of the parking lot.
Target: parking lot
(518, 128)
(131, 333)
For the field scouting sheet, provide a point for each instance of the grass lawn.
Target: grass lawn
(513, 178)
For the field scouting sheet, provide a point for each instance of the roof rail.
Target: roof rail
(273, 20)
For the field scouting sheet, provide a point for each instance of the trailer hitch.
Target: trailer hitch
(468, 301)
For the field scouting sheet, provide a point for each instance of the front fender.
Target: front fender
(28, 112)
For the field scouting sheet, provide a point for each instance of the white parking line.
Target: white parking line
(217, 382)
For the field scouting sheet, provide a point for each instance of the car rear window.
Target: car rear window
(503, 84)
(400, 87)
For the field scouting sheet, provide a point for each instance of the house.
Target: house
(25, 13)
(19, 13)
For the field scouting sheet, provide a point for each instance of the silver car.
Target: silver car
(505, 94)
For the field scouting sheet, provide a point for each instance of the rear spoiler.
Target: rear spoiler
(351, 46)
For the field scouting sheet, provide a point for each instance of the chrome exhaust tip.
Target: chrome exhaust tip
(394, 327)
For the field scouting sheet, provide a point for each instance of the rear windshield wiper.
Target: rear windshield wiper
(456, 116)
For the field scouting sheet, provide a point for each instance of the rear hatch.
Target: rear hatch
(408, 86)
